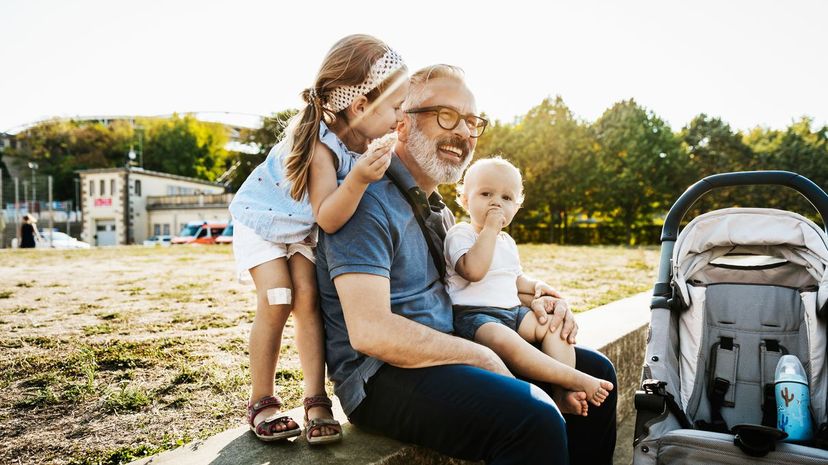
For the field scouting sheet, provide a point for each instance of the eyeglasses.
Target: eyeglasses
(449, 118)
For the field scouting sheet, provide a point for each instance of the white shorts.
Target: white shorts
(250, 250)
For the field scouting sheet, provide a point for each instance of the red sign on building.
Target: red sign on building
(103, 202)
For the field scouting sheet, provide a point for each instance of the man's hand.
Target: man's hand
(559, 311)
(561, 314)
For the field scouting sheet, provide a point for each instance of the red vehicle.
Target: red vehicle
(226, 236)
(199, 232)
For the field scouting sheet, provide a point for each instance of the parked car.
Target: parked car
(226, 235)
(59, 240)
(199, 232)
(158, 240)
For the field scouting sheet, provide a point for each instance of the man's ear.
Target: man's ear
(402, 129)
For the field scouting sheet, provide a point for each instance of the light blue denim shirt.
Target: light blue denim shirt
(263, 203)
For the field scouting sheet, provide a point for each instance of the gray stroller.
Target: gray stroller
(736, 290)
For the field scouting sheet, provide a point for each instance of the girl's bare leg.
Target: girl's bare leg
(266, 333)
(310, 337)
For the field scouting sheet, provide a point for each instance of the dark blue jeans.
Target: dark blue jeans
(473, 414)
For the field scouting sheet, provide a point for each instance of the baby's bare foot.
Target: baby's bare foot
(572, 402)
(596, 389)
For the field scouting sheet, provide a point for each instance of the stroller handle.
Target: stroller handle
(803, 185)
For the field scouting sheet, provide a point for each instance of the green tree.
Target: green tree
(554, 151)
(271, 133)
(62, 147)
(186, 146)
(640, 167)
(800, 148)
(712, 148)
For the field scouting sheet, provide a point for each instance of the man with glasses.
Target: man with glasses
(396, 367)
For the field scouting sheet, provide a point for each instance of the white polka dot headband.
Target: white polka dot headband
(342, 96)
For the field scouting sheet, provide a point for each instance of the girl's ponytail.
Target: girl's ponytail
(305, 135)
(346, 71)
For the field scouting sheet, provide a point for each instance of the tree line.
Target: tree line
(179, 145)
(614, 179)
(607, 181)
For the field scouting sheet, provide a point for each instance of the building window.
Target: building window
(91, 188)
(167, 229)
(156, 229)
(138, 187)
(103, 187)
(112, 187)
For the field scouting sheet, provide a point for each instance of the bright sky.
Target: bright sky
(752, 63)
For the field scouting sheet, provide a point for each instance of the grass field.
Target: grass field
(113, 354)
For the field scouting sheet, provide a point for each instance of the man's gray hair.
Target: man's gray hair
(420, 78)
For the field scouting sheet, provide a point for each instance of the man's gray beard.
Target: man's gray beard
(424, 151)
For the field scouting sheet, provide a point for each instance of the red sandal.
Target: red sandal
(266, 429)
(317, 423)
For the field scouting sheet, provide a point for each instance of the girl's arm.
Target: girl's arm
(332, 206)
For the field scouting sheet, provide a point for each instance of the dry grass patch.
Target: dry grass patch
(114, 354)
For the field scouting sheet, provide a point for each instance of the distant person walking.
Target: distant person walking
(28, 233)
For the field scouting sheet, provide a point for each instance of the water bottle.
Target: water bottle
(793, 400)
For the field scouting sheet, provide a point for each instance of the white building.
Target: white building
(154, 203)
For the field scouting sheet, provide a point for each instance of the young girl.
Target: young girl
(485, 279)
(314, 176)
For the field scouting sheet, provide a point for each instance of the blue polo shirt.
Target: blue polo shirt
(382, 238)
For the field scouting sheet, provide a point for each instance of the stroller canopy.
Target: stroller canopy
(774, 246)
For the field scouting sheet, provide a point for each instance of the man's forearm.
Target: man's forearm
(407, 344)
(374, 330)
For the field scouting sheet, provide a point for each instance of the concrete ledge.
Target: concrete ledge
(617, 329)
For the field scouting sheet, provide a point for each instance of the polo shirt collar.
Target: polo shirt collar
(433, 202)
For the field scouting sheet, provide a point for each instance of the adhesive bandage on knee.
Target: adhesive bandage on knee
(279, 296)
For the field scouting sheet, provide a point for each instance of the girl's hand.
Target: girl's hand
(377, 157)
(371, 166)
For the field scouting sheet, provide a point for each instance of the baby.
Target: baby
(485, 280)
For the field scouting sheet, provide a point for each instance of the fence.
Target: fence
(32, 196)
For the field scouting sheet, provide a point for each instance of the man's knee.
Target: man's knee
(596, 364)
(542, 419)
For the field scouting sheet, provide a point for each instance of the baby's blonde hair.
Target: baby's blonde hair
(496, 160)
